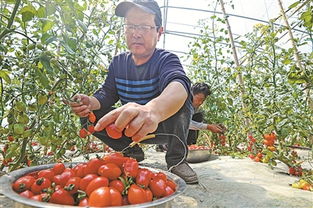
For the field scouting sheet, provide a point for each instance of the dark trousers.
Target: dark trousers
(193, 134)
(173, 131)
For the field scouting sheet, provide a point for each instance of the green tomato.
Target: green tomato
(42, 99)
(18, 128)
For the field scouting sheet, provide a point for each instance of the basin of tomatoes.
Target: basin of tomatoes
(111, 180)
(198, 153)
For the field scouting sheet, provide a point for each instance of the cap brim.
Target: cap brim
(123, 7)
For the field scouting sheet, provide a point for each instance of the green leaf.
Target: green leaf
(294, 5)
(82, 26)
(28, 12)
(42, 78)
(50, 8)
(5, 75)
(41, 12)
(47, 25)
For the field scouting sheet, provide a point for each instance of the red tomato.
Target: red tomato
(86, 180)
(118, 185)
(136, 195)
(110, 170)
(97, 183)
(58, 168)
(27, 194)
(113, 132)
(171, 184)
(93, 166)
(116, 158)
(157, 186)
(160, 175)
(80, 170)
(48, 173)
(168, 191)
(44, 197)
(131, 167)
(64, 177)
(40, 184)
(62, 196)
(149, 195)
(143, 177)
(92, 117)
(83, 133)
(83, 202)
(91, 129)
(72, 185)
(105, 196)
(23, 183)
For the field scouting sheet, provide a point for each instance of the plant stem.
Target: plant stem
(7, 30)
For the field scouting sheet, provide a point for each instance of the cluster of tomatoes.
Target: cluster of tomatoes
(83, 133)
(302, 184)
(197, 147)
(269, 140)
(113, 180)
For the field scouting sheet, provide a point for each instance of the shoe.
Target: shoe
(184, 171)
(135, 152)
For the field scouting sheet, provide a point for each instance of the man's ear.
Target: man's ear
(160, 32)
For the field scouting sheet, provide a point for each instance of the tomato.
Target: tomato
(143, 177)
(72, 185)
(113, 132)
(149, 195)
(257, 159)
(64, 177)
(92, 117)
(62, 196)
(136, 195)
(27, 194)
(105, 196)
(58, 168)
(79, 170)
(40, 184)
(160, 175)
(251, 156)
(98, 182)
(271, 148)
(110, 170)
(83, 133)
(130, 167)
(91, 129)
(168, 191)
(44, 197)
(268, 142)
(171, 184)
(116, 158)
(118, 185)
(86, 180)
(157, 186)
(83, 202)
(93, 166)
(48, 173)
(23, 183)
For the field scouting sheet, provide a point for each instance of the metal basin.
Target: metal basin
(22, 202)
(199, 155)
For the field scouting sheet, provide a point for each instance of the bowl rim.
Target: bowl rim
(7, 180)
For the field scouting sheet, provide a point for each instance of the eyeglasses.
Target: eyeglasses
(140, 28)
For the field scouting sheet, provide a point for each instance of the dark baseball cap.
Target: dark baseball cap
(149, 6)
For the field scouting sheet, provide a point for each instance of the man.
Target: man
(153, 88)
(200, 91)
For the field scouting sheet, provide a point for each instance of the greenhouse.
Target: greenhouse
(156, 103)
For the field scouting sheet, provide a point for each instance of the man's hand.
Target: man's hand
(216, 128)
(137, 120)
(83, 104)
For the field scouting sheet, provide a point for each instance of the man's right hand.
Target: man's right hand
(82, 105)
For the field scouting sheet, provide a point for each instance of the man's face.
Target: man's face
(198, 99)
(141, 42)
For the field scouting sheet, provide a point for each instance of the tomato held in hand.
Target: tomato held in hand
(112, 131)
(105, 196)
